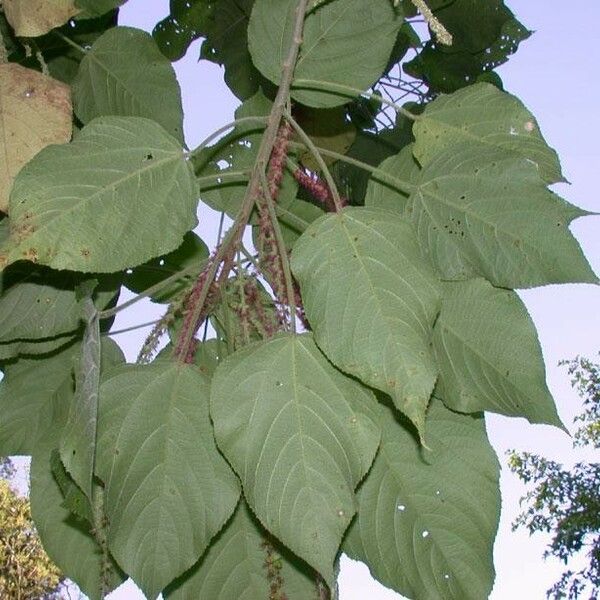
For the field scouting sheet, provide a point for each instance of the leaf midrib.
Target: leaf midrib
(67, 212)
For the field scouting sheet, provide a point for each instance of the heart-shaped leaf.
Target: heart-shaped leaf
(67, 538)
(242, 563)
(371, 301)
(346, 42)
(300, 436)
(481, 211)
(120, 194)
(427, 518)
(108, 81)
(483, 114)
(168, 490)
(489, 354)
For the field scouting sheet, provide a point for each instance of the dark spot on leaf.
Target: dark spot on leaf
(85, 252)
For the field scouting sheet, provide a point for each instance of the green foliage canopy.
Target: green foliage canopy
(340, 405)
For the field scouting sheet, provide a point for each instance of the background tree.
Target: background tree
(339, 404)
(566, 502)
(26, 572)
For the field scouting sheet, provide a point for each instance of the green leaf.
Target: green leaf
(38, 308)
(328, 128)
(427, 519)
(372, 149)
(293, 220)
(483, 114)
(300, 436)
(186, 22)
(385, 192)
(226, 44)
(68, 539)
(481, 211)
(34, 401)
(96, 8)
(489, 355)
(193, 251)
(485, 33)
(346, 42)
(125, 74)
(234, 566)
(74, 499)
(168, 490)
(120, 194)
(62, 58)
(206, 358)
(35, 395)
(78, 440)
(371, 300)
(233, 154)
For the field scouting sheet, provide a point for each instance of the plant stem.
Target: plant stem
(404, 186)
(351, 92)
(337, 201)
(218, 132)
(132, 328)
(213, 180)
(105, 314)
(243, 306)
(69, 41)
(267, 142)
(282, 251)
(289, 218)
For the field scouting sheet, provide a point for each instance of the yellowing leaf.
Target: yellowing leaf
(32, 18)
(35, 111)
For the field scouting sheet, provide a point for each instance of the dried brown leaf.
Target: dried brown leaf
(35, 111)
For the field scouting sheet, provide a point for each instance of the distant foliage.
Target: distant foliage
(321, 389)
(566, 502)
(26, 572)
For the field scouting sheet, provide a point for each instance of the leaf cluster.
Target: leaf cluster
(25, 569)
(566, 502)
(339, 405)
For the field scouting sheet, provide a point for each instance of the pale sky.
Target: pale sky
(553, 75)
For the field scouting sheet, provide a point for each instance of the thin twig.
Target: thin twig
(335, 195)
(400, 184)
(221, 130)
(351, 92)
(132, 328)
(217, 178)
(109, 312)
